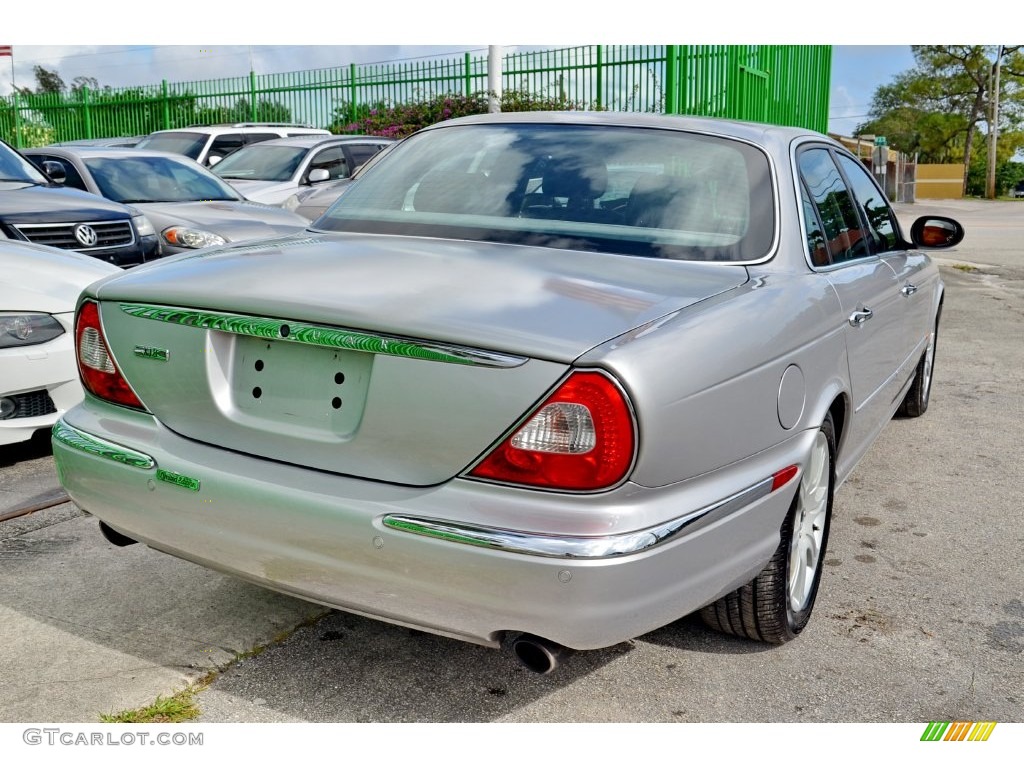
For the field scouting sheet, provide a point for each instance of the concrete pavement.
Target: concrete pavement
(88, 629)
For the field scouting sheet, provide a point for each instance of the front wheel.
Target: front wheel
(776, 605)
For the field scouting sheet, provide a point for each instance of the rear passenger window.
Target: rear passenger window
(360, 153)
(254, 138)
(333, 161)
(881, 231)
(226, 144)
(812, 230)
(836, 208)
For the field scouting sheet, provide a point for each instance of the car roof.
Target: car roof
(110, 141)
(315, 141)
(755, 132)
(100, 151)
(219, 129)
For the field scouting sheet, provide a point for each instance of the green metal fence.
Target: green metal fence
(780, 84)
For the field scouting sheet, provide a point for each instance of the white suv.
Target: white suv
(208, 144)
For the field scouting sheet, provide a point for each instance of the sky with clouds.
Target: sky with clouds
(856, 70)
(128, 43)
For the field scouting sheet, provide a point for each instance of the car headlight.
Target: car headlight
(143, 225)
(21, 330)
(184, 237)
(291, 203)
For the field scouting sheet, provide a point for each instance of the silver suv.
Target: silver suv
(208, 144)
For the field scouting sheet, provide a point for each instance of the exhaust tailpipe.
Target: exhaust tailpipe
(537, 654)
(115, 538)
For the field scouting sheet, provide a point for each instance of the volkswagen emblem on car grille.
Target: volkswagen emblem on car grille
(86, 235)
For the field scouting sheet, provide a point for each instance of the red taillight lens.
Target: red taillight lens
(95, 363)
(582, 438)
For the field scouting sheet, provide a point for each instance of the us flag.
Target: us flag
(6, 50)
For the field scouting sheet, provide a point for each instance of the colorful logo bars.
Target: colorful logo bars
(958, 731)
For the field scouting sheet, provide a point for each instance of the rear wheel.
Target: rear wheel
(776, 605)
(915, 402)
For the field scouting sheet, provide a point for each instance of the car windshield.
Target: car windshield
(181, 143)
(146, 179)
(261, 162)
(617, 189)
(13, 167)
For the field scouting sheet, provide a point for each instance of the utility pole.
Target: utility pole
(993, 129)
(494, 57)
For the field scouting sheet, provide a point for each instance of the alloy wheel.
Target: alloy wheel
(809, 526)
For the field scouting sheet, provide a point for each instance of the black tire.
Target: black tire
(774, 608)
(915, 402)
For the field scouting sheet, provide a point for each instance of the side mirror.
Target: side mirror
(212, 160)
(319, 174)
(55, 171)
(936, 232)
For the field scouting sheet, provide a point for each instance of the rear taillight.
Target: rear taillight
(95, 363)
(582, 438)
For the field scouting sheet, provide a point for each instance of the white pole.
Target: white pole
(494, 56)
(14, 84)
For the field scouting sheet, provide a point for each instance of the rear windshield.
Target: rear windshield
(182, 143)
(638, 191)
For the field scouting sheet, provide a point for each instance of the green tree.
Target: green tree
(937, 108)
(80, 83)
(272, 112)
(904, 112)
(240, 112)
(47, 80)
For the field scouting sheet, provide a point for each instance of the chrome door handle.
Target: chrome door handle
(860, 317)
(909, 289)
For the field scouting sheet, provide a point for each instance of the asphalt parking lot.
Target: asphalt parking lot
(920, 618)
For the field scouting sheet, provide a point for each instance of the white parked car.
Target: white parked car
(272, 171)
(38, 375)
(209, 144)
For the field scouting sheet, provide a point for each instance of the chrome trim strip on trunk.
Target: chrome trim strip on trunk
(82, 441)
(323, 336)
(580, 547)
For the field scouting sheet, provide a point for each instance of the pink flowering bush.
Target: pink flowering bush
(399, 120)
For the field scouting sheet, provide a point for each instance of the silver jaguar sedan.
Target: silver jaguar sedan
(538, 381)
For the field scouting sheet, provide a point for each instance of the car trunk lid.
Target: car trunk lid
(395, 359)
